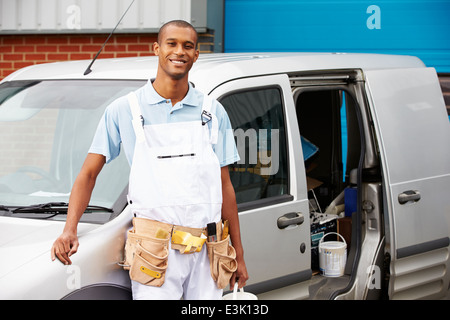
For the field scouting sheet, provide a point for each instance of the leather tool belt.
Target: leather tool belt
(147, 251)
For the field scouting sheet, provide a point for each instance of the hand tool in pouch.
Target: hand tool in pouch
(226, 225)
(212, 233)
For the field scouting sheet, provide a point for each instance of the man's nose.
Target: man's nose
(179, 50)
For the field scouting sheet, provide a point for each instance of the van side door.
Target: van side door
(269, 182)
(413, 134)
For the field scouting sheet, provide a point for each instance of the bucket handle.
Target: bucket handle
(333, 233)
(235, 290)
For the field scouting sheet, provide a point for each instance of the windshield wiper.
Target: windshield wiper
(55, 208)
(4, 208)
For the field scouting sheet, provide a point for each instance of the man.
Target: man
(163, 185)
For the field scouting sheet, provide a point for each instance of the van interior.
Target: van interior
(319, 115)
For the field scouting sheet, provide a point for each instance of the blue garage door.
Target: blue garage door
(420, 28)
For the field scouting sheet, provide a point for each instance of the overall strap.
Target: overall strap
(206, 111)
(137, 120)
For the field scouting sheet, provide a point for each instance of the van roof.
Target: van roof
(213, 69)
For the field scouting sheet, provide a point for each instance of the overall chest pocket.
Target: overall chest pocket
(178, 165)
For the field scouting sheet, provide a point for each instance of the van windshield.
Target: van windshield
(46, 128)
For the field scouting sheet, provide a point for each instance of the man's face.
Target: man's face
(177, 51)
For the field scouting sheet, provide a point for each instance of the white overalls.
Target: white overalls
(175, 178)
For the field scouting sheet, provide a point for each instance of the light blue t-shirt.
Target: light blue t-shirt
(115, 128)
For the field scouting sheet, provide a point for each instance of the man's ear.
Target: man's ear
(197, 53)
(155, 48)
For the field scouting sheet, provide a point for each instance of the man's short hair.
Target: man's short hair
(177, 23)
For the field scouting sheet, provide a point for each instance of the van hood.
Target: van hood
(23, 240)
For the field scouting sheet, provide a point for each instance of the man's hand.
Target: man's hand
(240, 275)
(65, 246)
(67, 243)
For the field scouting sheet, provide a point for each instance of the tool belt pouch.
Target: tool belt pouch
(146, 258)
(222, 260)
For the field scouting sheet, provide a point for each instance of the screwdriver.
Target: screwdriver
(226, 226)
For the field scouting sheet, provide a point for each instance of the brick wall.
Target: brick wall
(18, 51)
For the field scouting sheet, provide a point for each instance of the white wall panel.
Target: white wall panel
(81, 16)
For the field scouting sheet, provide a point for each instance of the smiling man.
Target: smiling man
(179, 187)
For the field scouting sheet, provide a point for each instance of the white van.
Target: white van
(354, 144)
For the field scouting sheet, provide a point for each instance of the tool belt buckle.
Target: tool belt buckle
(192, 243)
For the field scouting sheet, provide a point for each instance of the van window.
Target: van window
(259, 129)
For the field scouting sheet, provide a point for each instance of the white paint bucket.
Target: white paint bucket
(241, 295)
(332, 256)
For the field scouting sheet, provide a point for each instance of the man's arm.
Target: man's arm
(230, 213)
(67, 243)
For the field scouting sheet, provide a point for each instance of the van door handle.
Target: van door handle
(290, 219)
(407, 196)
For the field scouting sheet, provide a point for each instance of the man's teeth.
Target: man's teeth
(177, 62)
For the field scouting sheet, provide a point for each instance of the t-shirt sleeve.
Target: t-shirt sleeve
(225, 148)
(107, 138)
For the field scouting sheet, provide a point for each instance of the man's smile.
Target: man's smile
(177, 61)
